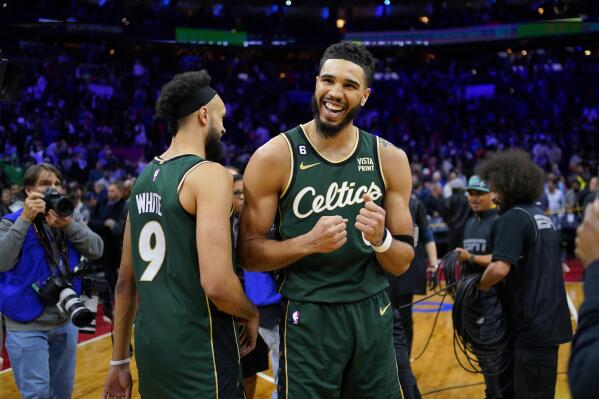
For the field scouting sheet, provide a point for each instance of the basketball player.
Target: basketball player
(177, 258)
(526, 254)
(342, 197)
(476, 255)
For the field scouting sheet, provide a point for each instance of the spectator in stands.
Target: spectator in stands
(455, 211)
(5, 202)
(553, 201)
(18, 201)
(103, 219)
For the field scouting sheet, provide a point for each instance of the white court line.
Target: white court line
(89, 341)
(266, 377)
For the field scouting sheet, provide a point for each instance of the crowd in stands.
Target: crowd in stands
(287, 18)
(88, 108)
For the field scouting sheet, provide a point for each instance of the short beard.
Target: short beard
(212, 146)
(328, 130)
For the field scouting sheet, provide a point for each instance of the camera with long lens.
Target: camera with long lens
(62, 205)
(56, 291)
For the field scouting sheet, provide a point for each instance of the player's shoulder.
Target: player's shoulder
(390, 151)
(276, 151)
(208, 171)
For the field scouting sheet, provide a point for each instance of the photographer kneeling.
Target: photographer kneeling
(40, 249)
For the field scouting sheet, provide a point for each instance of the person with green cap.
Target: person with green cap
(476, 253)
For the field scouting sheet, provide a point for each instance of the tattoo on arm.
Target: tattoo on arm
(385, 143)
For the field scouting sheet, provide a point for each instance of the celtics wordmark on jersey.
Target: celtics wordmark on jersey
(319, 187)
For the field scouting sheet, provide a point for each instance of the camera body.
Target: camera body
(56, 291)
(62, 205)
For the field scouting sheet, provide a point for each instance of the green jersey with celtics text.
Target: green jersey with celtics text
(318, 187)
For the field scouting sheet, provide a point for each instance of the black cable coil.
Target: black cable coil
(483, 331)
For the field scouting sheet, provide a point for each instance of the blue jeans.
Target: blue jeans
(43, 362)
(271, 338)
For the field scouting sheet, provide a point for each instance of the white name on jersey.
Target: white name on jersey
(335, 197)
(148, 203)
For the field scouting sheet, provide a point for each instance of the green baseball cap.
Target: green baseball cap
(478, 184)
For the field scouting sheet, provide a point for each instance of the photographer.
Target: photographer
(40, 250)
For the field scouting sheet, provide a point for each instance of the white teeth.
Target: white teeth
(333, 107)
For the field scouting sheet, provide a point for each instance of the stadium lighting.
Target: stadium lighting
(524, 52)
(288, 3)
(424, 19)
(540, 10)
(587, 52)
(387, 2)
(340, 23)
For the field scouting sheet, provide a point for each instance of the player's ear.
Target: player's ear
(365, 97)
(202, 115)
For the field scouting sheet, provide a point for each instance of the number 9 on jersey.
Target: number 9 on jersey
(152, 233)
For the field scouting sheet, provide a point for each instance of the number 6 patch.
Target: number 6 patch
(302, 149)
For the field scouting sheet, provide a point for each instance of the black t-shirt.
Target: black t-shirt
(477, 235)
(528, 240)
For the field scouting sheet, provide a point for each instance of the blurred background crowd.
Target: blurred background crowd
(86, 103)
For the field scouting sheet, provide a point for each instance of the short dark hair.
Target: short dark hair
(237, 177)
(514, 176)
(352, 52)
(32, 174)
(181, 87)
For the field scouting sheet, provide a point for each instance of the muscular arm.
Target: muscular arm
(398, 221)
(210, 186)
(264, 179)
(494, 273)
(125, 305)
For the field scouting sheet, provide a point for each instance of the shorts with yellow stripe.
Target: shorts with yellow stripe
(344, 351)
(194, 358)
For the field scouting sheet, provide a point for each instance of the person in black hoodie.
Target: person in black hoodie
(584, 358)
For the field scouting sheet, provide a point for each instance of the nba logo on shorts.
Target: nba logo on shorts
(295, 317)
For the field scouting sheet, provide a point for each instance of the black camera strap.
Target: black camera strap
(50, 242)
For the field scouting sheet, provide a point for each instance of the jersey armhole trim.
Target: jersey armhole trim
(380, 160)
(212, 345)
(187, 174)
(291, 165)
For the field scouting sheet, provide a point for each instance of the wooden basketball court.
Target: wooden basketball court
(435, 371)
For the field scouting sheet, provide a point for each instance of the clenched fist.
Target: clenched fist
(371, 221)
(329, 234)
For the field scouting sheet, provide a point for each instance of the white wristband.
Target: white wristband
(387, 240)
(119, 362)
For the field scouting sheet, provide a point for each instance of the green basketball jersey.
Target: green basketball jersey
(185, 347)
(317, 188)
